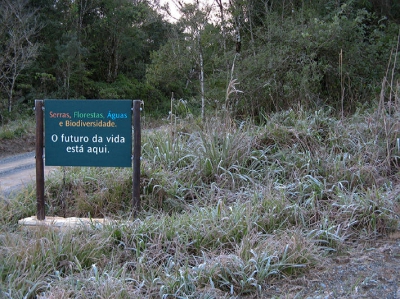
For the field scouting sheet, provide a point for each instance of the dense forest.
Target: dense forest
(242, 57)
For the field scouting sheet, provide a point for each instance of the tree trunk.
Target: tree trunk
(221, 9)
(203, 101)
(10, 96)
(250, 16)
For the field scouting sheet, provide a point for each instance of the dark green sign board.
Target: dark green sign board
(88, 133)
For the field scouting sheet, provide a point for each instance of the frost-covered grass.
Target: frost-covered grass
(225, 210)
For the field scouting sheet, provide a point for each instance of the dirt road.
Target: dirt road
(18, 171)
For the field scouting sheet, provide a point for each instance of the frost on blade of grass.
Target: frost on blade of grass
(89, 191)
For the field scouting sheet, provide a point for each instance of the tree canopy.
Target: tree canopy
(244, 57)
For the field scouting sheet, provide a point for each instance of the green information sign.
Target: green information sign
(88, 133)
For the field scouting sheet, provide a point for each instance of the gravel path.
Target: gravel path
(17, 171)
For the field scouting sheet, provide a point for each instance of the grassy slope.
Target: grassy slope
(17, 137)
(226, 210)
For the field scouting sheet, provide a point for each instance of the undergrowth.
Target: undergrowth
(17, 128)
(226, 211)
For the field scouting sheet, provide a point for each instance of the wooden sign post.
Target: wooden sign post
(87, 133)
(40, 214)
(136, 158)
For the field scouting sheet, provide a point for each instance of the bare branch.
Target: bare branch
(18, 27)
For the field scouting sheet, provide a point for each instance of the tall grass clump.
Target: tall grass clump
(89, 191)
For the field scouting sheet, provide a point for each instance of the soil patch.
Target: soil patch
(365, 270)
(10, 147)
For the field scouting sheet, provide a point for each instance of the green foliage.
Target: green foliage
(298, 54)
(297, 61)
(91, 44)
(71, 55)
(125, 88)
(172, 69)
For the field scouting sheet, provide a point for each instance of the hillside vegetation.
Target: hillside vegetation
(246, 57)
